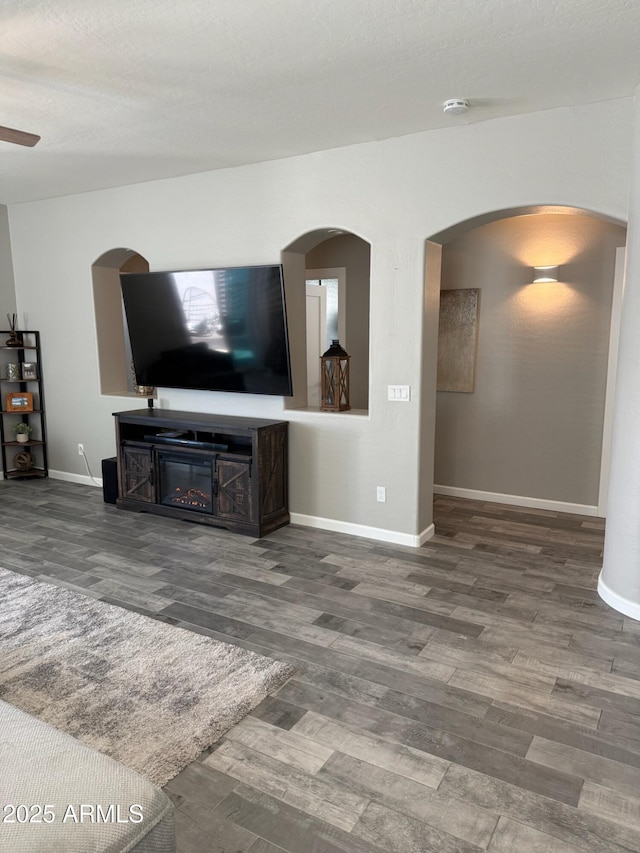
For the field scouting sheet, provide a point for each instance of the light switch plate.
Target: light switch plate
(399, 393)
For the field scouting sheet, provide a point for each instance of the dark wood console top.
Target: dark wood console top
(171, 417)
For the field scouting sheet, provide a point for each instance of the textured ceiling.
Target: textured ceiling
(126, 91)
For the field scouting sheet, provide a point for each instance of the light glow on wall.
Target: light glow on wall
(548, 303)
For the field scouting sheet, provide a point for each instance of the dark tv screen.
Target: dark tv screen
(213, 330)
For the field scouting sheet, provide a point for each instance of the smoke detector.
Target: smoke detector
(455, 106)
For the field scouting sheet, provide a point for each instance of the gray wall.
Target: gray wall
(7, 286)
(354, 254)
(395, 194)
(533, 426)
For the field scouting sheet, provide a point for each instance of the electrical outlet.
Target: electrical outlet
(381, 494)
(80, 449)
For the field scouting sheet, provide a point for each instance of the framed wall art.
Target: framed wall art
(20, 401)
(457, 339)
(29, 371)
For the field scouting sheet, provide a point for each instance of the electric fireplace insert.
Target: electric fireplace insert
(185, 482)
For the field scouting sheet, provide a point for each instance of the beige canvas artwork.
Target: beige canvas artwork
(457, 339)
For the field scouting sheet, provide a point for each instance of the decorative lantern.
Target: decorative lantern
(334, 371)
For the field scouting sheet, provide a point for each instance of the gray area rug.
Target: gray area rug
(148, 694)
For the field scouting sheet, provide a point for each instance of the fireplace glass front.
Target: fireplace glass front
(186, 482)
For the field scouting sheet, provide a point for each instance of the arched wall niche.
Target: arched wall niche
(545, 363)
(112, 338)
(329, 248)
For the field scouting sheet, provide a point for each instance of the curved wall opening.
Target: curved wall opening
(114, 351)
(311, 261)
(531, 430)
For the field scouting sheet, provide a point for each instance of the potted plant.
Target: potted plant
(22, 431)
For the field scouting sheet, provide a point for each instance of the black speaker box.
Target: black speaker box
(110, 480)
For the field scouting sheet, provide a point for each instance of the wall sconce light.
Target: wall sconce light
(545, 274)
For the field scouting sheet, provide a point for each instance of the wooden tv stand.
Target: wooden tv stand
(220, 470)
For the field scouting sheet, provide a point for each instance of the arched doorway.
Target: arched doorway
(531, 430)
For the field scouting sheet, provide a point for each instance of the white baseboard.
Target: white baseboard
(379, 533)
(426, 534)
(84, 479)
(622, 605)
(517, 500)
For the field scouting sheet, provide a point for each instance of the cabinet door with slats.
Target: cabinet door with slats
(233, 487)
(137, 473)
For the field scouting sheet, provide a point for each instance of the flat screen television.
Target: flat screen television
(210, 330)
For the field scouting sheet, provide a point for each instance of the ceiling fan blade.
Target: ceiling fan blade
(19, 137)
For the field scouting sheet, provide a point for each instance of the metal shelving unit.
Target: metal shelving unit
(22, 401)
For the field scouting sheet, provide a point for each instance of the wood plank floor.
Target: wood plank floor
(473, 694)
